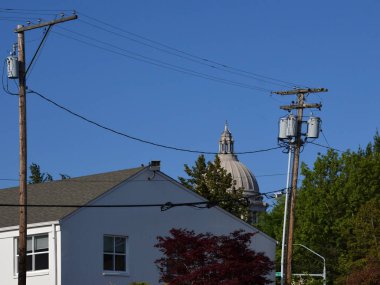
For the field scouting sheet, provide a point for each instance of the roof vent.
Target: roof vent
(154, 165)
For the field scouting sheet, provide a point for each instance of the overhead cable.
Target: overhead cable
(135, 138)
(136, 56)
(292, 84)
(204, 62)
(164, 207)
(328, 147)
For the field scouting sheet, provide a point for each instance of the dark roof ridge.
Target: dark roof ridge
(65, 192)
(80, 178)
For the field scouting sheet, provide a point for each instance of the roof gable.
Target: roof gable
(73, 191)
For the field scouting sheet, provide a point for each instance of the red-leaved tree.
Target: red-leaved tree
(201, 259)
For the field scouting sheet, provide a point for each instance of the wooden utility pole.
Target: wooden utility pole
(22, 241)
(297, 144)
(23, 156)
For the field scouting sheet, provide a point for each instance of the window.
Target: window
(37, 252)
(114, 253)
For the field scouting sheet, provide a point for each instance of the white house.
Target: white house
(105, 245)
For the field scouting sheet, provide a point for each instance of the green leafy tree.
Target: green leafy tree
(364, 242)
(330, 214)
(211, 180)
(337, 214)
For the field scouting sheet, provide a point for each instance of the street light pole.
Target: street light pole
(324, 261)
(285, 216)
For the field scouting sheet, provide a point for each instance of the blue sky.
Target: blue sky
(331, 44)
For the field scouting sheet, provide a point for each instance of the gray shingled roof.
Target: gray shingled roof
(74, 191)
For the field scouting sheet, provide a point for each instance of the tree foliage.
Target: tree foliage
(337, 212)
(211, 180)
(201, 259)
(36, 176)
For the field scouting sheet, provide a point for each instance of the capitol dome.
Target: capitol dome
(240, 173)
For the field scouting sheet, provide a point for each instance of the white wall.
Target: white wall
(82, 232)
(8, 274)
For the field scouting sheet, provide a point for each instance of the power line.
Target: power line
(37, 53)
(271, 175)
(266, 194)
(328, 147)
(76, 180)
(164, 207)
(158, 46)
(17, 18)
(192, 59)
(135, 138)
(159, 63)
(323, 134)
(28, 13)
(36, 10)
(292, 84)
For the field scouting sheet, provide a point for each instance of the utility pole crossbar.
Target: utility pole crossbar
(303, 106)
(300, 91)
(40, 25)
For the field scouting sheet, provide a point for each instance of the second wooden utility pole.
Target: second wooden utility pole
(297, 144)
(23, 201)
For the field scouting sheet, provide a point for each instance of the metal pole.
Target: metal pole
(324, 261)
(23, 162)
(285, 216)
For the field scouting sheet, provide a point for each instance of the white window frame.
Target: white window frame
(33, 254)
(114, 253)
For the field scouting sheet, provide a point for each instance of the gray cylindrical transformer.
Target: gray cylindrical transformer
(12, 64)
(313, 127)
(291, 130)
(283, 125)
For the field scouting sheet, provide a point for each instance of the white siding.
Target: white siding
(82, 232)
(8, 274)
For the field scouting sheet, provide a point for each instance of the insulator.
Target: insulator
(313, 127)
(12, 67)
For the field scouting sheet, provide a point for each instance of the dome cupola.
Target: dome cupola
(240, 173)
(226, 142)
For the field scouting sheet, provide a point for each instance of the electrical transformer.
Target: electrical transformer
(12, 66)
(291, 130)
(283, 125)
(313, 127)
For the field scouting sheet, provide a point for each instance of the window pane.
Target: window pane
(120, 262)
(29, 245)
(108, 244)
(29, 262)
(108, 262)
(41, 243)
(41, 261)
(119, 245)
